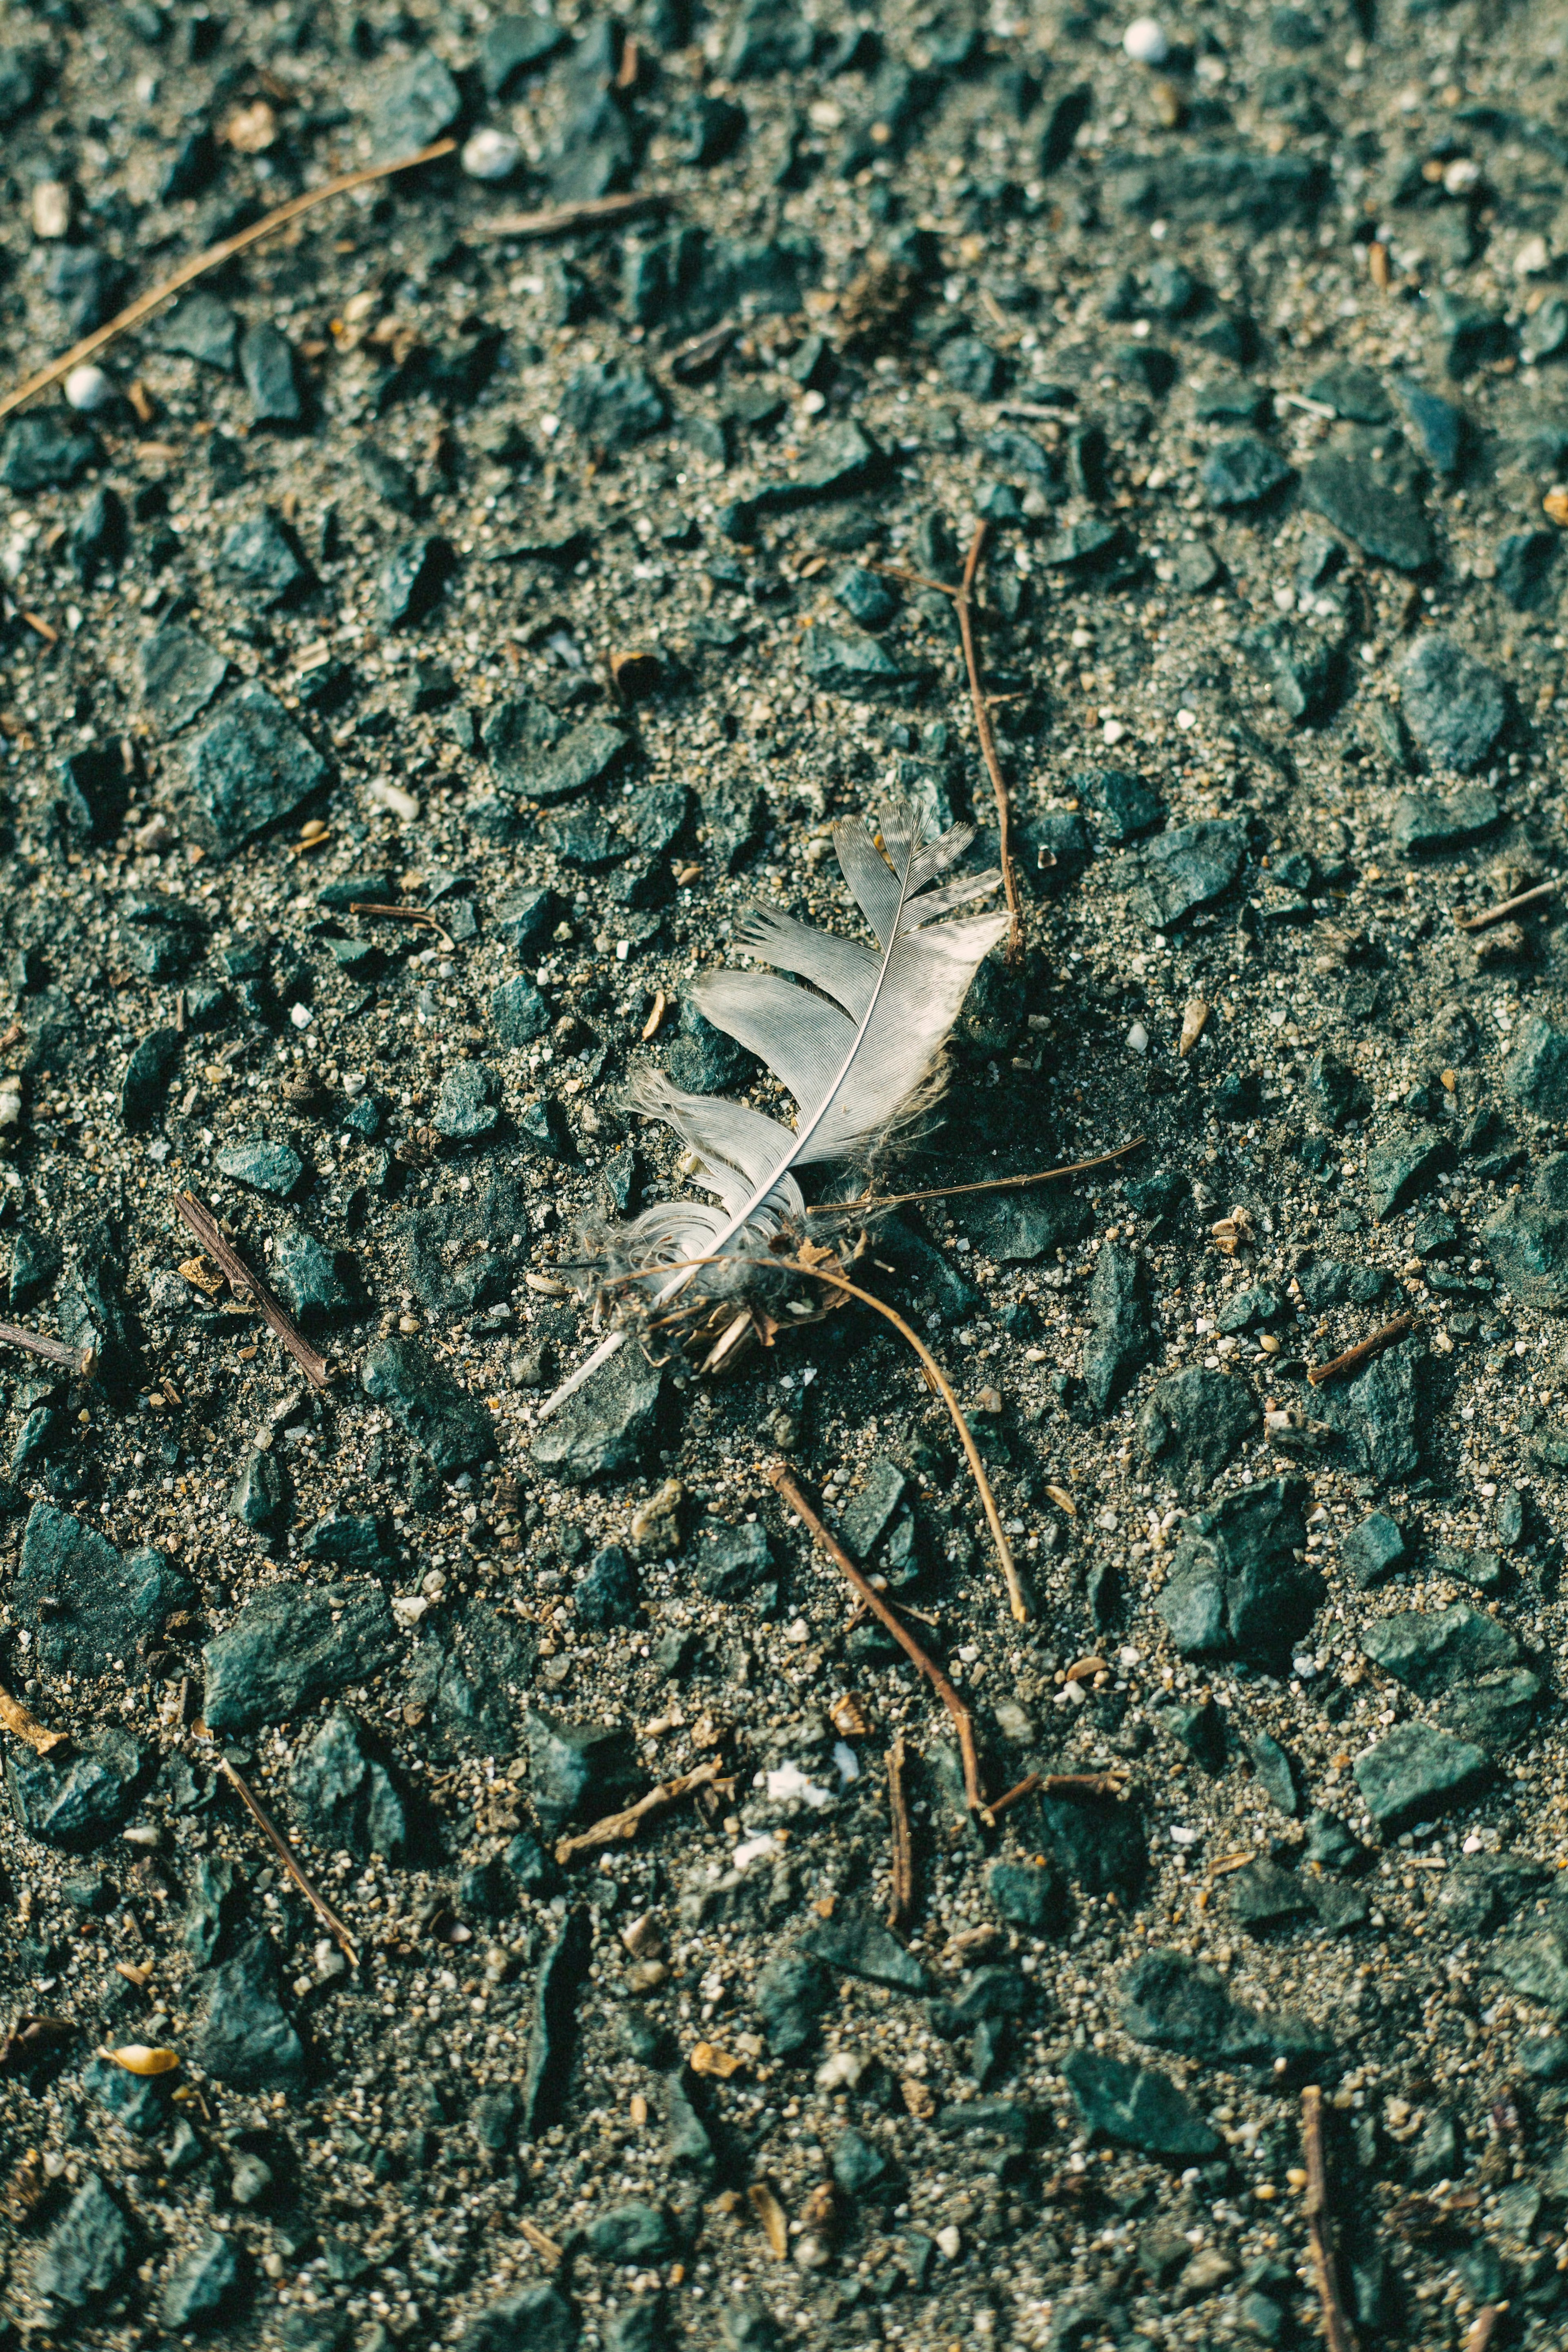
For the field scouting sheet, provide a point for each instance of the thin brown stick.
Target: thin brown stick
(1340, 1367)
(913, 578)
(1040, 408)
(1536, 897)
(988, 744)
(779, 1476)
(17, 1720)
(992, 1184)
(616, 1827)
(53, 1351)
(189, 271)
(1056, 1784)
(402, 915)
(204, 1225)
(544, 2247)
(937, 1377)
(560, 220)
(1338, 2332)
(317, 1902)
(901, 1903)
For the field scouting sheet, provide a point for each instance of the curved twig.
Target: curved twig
(963, 601)
(991, 1184)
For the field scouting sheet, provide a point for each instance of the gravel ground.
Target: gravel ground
(532, 584)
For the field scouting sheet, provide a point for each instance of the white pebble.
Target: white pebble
(1145, 43)
(89, 388)
(51, 209)
(492, 156)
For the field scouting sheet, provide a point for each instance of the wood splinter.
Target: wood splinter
(280, 1845)
(617, 1827)
(17, 1720)
(1510, 906)
(204, 1225)
(1338, 2332)
(1340, 1367)
(902, 1902)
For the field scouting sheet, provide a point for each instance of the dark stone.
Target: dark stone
(1352, 393)
(534, 753)
(1195, 1421)
(770, 37)
(791, 1993)
(100, 536)
(1243, 472)
(1224, 186)
(146, 1081)
(411, 581)
(87, 284)
(1276, 1773)
(253, 768)
(858, 2165)
(48, 449)
(415, 102)
(1235, 1584)
(272, 1168)
(1401, 1165)
(76, 1803)
(1441, 430)
(471, 1672)
(861, 1946)
(1029, 1894)
(1190, 867)
(607, 1594)
(292, 1645)
(846, 662)
(36, 1261)
(1471, 335)
(1379, 1415)
(1127, 805)
(87, 2253)
(1528, 1243)
(90, 1608)
(970, 367)
(1175, 2002)
(205, 2286)
(870, 1511)
(734, 1561)
(701, 1059)
(94, 794)
(1137, 2107)
(345, 1796)
(1430, 824)
(611, 408)
(1452, 705)
(553, 2032)
(1374, 1550)
(631, 2233)
(1304, 663)
(535, 2319)
(268, 366)
(576, 1771)
(1375, 501)
(316, 1283)
(580, 837)
(27, 71)
(1536, 1966)
(449, 1425)
(263, 554)
(179, 675)
(467, 1106)
(1524, 562)
(1015, 1228)
(1201, 1730)
(201, 328)
(1417, 1773)
(513, 47)
(1099, 1844)
(93, 1311)
(519, 1013)
(1331, 1844)
(867, 600)
(1123, 1335)
(1262, 1894)
(1545, 331)
(521, 921)
(243, 2038)
(605, 1426)
(1537, 1074)
(260, 1496)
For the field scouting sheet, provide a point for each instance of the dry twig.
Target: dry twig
(53, 1351)
(17, 1720)
(204, 1225)
(992, 1184)
(402, 915)
(779, 1477)
(544, 2247)
(145, 304)
(1056, 1784)
(1490, 915)
(617, 1827)
(1338, 2332)
(279, 1846)
(562, 220)
(902, 1903)
(965, 601)
(1339, 1368)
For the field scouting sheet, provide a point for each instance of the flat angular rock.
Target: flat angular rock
(1403, 1164)
(791, 1993)
(262, 554)
(260, 1496)
(1015, 1228)
(1195, 1421)
(1138, 2107)
(1528, 1243)
(414, 103)
(1374, 1550)
(1434, 1652)
(612, 407)
(347, 1539)
(344, 1798)
(205, 2286)
(847, 661)
(47, 450)
(1536, 1076)
(253, 768)
(1453, 704)
(412, 580)
(1244, 471)
(1374, 500)
(535, 2319)
(514, 47)
(1379, 1413)
(76, 1803)
(1226, 186)
(89, 1608)
(242, 2036)
(860, 1947)
(87, 2253)
(151, 1064)
(1418, 1773)
(770, 37)
(517, 1012)
(576, 1771)
(1101, 1844)
(1235, 1584)
(1122, 1336)
(179, 675)
(293, 1645)
(607, 1426)
(1029, 1894)
(446, 1423)
(1191, 865)
(1175, 2002)
(467, 1106)
(271, 377)
(607, 1594)
(1545, 333)
(1525, 560)
(1127, 806)
(1429, 824)
(317, 1284)
(201, 328)
(272, 1168)
(470, 1674)
(1275, 1774)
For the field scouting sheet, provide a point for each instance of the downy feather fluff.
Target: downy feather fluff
(860, 1049)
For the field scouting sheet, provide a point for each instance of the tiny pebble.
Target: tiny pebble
(949, 2243)
(52, 209)
(1145, 43)
(491, 154)
(89, 388)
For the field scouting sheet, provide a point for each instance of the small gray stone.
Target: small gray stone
(292, 1645)
(1243, 472)
(203, 2286)
(1137, 2107)
(1545, 334)
(1374, 1550)
(1173, 2002)
(1417, 1773)
(317, 1284)
(260, 1496)
(1376, 501)
(242, 2037)
(88, 2251)
(1452, 705)
(467, 1106)
(1401, 1165)
(77, 1803)
(842, 661)
(576, 1771)
(268, 366)
(48, 450)
(791, 1993)
(1195, 1421)
(604, 1429)
(611, 408)
(252, 768)
(415, 102)
(453, 1428)
(272, 1168)
(1276, 1775)
(201, 328)
(179, 675)
(1191, 865)
(1236, 1582)
(411, 581)
(343, 1795)
(1430, 824)
(86, 1605)
(517, 1012)
(1122, 1336)
(1537, 1074)
(146, 1081)
(513, 47)
(1029, 1894)
(858, 1946)
(263, 555)
(1380, 1414)
(630, 2233)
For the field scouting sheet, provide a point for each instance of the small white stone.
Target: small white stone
(1138, 1038)
(88, 388)
(1145, 43)
(1534, 257)
(949, 2243)
(491, 154)
(51, 209)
